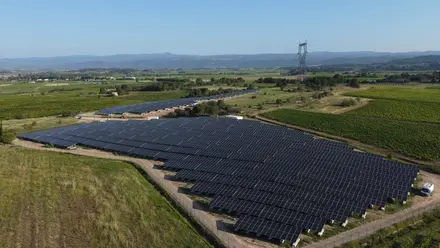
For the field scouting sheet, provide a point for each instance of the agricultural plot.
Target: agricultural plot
(265, 98)
(419, 140)
(61, 86)
(278, 181)
(399, 93)
(50, 199)
(400, 110)
(26, 106)
(33, 124)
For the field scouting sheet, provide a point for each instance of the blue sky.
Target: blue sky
(32, 28)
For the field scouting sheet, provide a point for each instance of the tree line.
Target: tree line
(311, 83)
(405, 77)
(211, 108)
(174, 80)
(200, 92)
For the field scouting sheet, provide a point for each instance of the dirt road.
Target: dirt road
(374, 226)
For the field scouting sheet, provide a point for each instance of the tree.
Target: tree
(6, 136)
(102, 90)
(278, 101)
(221, 104)
(281, 84)
(251, 87)
(126, 88)
(199, 81)
(354, 83)
(199, 109)
(348, 102)
(212, 108)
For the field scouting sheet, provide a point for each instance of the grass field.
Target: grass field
(419, 140)
(421, 231)
(49, 199)
(265, 97)
(33, 124)
(433, 87)
(26, 106)
(400, 110)
(399, 93)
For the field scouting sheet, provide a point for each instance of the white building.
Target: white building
(235, 117)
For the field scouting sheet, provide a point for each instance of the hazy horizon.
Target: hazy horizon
(202, 55)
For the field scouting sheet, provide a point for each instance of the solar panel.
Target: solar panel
(278, 181)
(158, 105)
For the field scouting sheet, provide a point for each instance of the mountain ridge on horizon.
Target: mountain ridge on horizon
(186, 61)
(208, 55)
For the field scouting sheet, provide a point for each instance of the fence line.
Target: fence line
(371, 228)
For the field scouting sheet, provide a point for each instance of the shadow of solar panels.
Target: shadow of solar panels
(167, 104)
(264, 174)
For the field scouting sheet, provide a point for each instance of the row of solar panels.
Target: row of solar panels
(159, 105)
(253, 167)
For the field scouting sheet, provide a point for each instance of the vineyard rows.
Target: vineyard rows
(400, 110)
(25, 106)
(399, 93)
(419, 140)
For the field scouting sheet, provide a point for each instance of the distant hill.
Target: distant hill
(417, 63)
(168, 60)
(428, 59)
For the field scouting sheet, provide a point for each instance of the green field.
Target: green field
(33, 124)
(49, 199)
(27, 106)
(400, 110)
(399, 93)
(419, 140)
(266, 98)
(423, 231)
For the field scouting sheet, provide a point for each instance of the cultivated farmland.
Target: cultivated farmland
(400, 110)
(56, 200)
(419, 140)
(26, 106)
(399, 93)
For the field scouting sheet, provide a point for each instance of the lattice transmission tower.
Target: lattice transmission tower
(302, 56)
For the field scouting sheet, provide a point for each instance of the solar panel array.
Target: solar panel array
(278, 181)
(157, 105)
